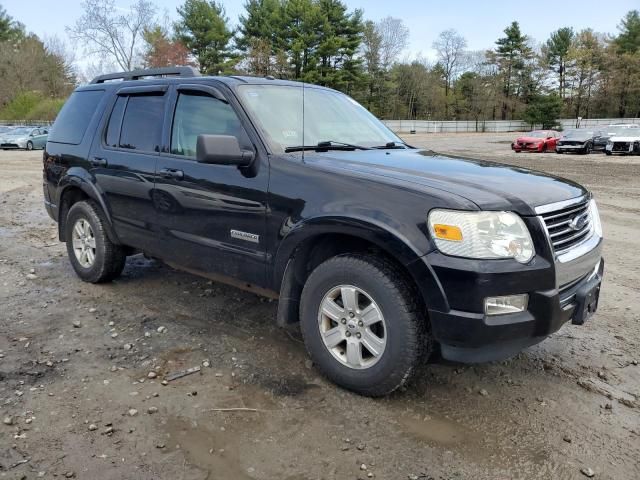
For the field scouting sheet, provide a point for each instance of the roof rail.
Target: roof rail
(150, 72)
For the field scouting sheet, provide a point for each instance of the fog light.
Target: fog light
(506, 304)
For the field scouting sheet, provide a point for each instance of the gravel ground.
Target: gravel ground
(81, 369)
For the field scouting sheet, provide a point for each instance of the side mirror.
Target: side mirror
(222, 150)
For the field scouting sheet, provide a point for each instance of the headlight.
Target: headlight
(595, 218)
(481, 234)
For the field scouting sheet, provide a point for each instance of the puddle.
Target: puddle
(196, 442)
(438, 431)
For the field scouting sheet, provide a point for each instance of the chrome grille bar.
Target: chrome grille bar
(568, 226)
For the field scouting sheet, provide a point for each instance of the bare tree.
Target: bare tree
(111, 34)
(394, 38)
(450, 47)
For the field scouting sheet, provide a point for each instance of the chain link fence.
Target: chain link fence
(494, 126)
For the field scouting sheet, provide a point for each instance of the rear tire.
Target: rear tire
(94, 257)
(381, 292)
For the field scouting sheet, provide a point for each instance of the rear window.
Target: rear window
(73, 120)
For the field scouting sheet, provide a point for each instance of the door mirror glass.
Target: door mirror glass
(222, 150)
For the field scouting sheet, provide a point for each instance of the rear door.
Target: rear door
(124, 160)
(212, 217)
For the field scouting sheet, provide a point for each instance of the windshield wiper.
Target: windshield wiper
(391, 145)
(326, 145)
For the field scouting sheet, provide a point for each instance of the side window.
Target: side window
(75, 116)
(142, 123)
(198, 114)
(35, 132)
(112, 134)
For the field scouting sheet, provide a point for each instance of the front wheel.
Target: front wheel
(362, 324)
(29, 145)
(94, 257)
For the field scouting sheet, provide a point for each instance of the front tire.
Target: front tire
(362, 324)
(29, 145)
(94, 257)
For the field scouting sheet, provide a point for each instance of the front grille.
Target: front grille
(570, 143)
(620, 146)
(568, 226)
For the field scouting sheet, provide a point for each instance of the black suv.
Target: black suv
(383, 252)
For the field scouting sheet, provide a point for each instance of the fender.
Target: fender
(77, 177)
(391, 241)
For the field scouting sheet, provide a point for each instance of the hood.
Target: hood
(626, 138)
(14, 136)
(491, 186)
(529, 139)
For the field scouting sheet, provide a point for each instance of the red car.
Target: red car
(536, 141)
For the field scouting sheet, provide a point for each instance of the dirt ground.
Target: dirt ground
(81, 368)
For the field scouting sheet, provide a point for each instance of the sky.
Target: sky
(481, 22)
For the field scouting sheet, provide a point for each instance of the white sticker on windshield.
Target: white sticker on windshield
(289, 134)
(252, 93)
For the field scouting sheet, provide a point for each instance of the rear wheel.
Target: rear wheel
(362, 325)
(93, 256)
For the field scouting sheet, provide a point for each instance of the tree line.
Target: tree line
(571, 74)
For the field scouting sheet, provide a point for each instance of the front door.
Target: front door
(212, 216)
(124, 160)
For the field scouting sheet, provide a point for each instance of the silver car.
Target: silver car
(26, 138)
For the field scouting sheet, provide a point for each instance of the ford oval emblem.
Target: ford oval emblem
(578, 222)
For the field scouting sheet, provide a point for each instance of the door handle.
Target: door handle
(98, 162)
(172, 173)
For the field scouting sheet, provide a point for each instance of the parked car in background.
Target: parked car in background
(578, 140)
(26, 138)
(536, 141)
(625, 141)
(602, 138)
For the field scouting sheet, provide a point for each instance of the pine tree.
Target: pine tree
(512, 55)
(204, 29)
(556, 49)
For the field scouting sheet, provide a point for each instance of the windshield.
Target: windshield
(328, 116)
(21, 131)
(618, 131)
(537, 134)
(577, 133)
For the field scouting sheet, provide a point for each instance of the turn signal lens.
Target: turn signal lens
(448, 232)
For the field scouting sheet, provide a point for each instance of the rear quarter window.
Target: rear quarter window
(75, 116)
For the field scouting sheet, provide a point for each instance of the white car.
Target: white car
(628, 144)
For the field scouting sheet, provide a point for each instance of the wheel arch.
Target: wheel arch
(318, 239)
(75, 187)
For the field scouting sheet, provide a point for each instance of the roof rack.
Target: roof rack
(150, 72)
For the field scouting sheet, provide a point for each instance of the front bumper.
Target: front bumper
(519, 147)
(13, 144)
(556, 287)
(571, 148)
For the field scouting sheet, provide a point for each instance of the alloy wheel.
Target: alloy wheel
(352, 327)
(84, 243)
